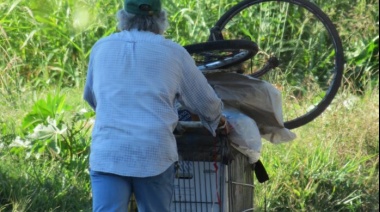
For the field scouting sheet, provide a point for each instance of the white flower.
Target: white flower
(350, 102)
(82, 111)
(18, 142)
(44, 132)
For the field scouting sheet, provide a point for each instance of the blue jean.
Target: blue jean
(112, 192)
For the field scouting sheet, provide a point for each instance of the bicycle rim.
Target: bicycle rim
(221, 54)
(306, 43)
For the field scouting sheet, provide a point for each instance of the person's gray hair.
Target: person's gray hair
(156, 23)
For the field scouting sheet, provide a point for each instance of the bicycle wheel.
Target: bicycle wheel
(305, 42)
(221, 54)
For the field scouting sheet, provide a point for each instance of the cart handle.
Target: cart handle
(190, 124)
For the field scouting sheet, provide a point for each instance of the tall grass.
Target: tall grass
(48, 42)
(45, 42)
(333, 165)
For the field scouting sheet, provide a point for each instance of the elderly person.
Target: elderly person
(134, 78)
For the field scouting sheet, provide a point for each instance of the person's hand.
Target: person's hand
(223, 127)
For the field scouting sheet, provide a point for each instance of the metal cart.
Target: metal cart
(211, 174)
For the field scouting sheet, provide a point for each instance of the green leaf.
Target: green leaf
(52, 106)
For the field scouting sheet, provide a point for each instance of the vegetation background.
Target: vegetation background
(333, 165)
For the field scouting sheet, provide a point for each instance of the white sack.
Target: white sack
(244, 133)
(257, 99)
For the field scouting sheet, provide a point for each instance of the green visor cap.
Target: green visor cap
(143, 7)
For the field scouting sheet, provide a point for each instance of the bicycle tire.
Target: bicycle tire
(222, 53)
(328, 59)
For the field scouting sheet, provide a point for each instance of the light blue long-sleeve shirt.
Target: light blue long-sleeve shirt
(134, 79)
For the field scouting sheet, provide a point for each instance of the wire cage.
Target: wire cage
(211, 175)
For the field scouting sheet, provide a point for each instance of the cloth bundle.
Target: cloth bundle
(253, 108)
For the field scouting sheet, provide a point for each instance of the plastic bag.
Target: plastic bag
(244, 133)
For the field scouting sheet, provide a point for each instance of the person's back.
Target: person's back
(134, 79)
(137, 76)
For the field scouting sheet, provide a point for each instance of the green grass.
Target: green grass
(42, 185)
(333, 161)
(333, 165)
